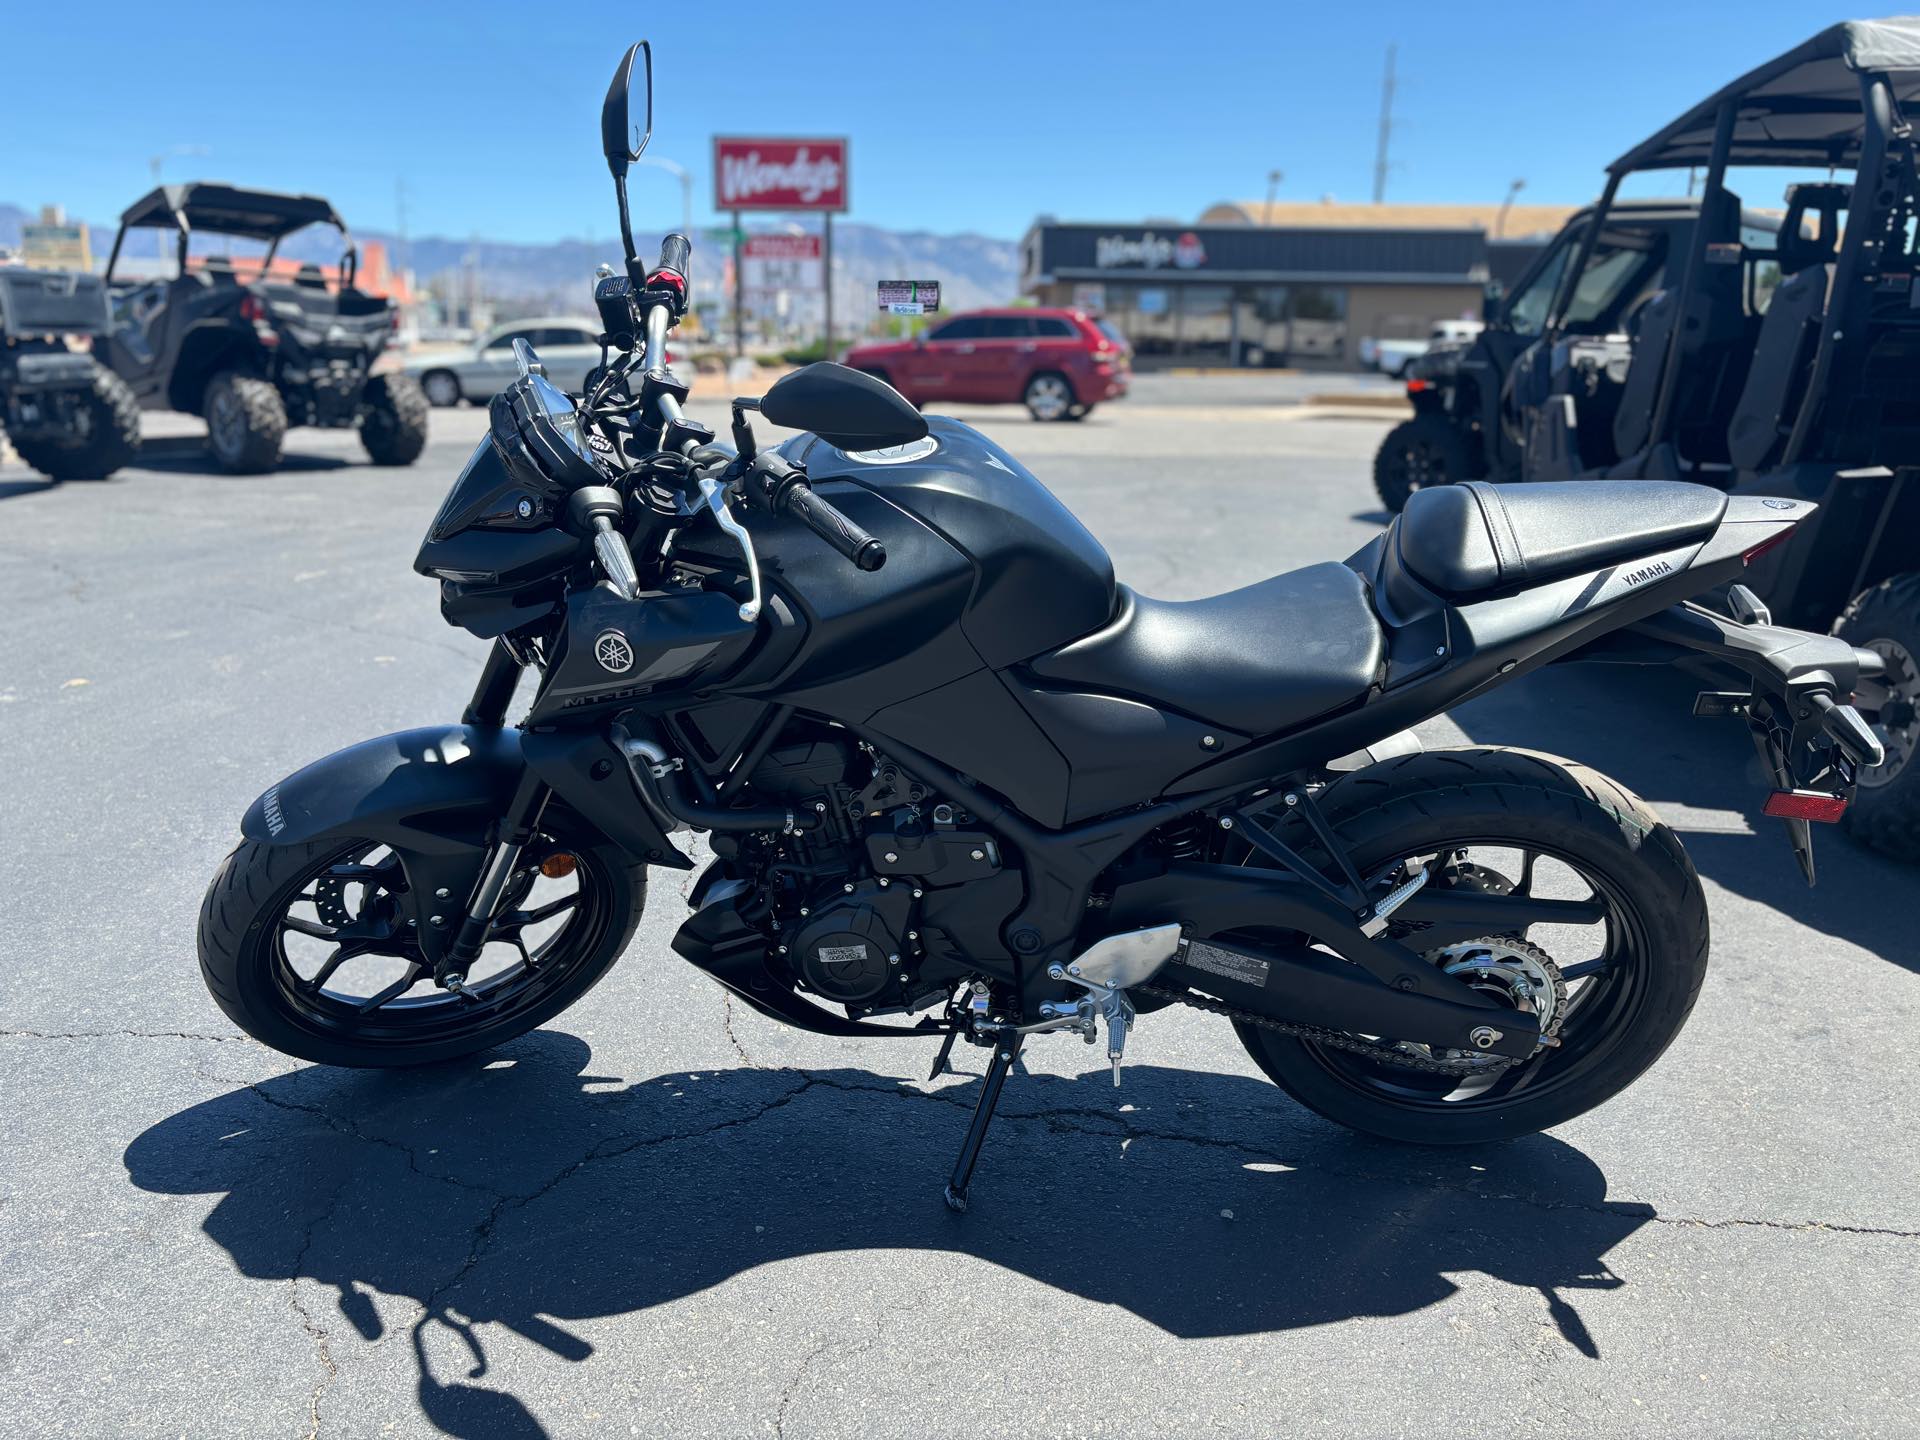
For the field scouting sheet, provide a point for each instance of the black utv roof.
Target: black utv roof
(1802, 108)
(228, 210)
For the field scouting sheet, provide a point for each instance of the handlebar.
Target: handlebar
(780, 489)
(675, 252)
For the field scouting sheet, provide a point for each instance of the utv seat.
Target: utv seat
(1790, 332)
(1260, 660)
(1475, 538)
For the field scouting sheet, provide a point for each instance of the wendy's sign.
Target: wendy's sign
(779, 174)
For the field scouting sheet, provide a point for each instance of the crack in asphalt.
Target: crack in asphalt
(322, 1347)
(726, 1023)
(354, 1132)
(120, 1035)
(799, 1377)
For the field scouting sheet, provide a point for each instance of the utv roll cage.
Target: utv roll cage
(1837, 101)
(215, 208)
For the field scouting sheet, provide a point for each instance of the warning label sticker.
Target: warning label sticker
(842, 954)
(1247, 969)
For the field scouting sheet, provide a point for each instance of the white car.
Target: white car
(568, 348)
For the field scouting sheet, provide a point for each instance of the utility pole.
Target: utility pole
(1500, 224)
(1386, 130)
(1274, 177)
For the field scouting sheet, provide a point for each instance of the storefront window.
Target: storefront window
(1206, 323)
(1319, 322)
(1261, 315)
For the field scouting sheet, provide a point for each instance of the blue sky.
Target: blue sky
(962, 117)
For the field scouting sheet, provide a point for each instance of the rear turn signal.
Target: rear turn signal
(1805, 805)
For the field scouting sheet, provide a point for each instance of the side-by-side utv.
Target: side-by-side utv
(1781, 361)
(258, 354)
(66, 416)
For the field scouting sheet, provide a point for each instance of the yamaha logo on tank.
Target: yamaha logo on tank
(613, 652)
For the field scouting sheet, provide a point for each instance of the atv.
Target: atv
(66, 416)
(1785, 366)
(254, 355)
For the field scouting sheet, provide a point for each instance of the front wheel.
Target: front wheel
(246, 422)
(1426, 450)
(1613, 984)
(1049, 397)
(104, 437)
(1886, 808)
(394, 429)
(311, 949)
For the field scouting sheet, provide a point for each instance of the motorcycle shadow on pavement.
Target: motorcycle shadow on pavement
(1636, 725)
(520, 1191)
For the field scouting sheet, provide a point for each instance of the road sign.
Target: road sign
(909, 297)
(55, 246)
(779, 174)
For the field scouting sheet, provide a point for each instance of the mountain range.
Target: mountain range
(974, 270)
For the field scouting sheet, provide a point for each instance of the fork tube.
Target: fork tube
(494, 691)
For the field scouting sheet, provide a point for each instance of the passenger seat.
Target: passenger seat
(1790, 333)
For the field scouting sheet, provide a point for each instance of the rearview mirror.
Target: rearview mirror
(847, 409)
(626, 119)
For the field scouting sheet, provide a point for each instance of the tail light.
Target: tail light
(1415, 387)
(1747, 557)
(1813, 805)
(253, 308)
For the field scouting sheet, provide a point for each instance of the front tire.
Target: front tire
(1885, 812)
(394, 429)
(106, 435)
(1423, 451)
(246, 423)
(1621, 1011)
(257, 946)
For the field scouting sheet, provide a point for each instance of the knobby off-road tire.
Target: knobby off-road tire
(242, 959)
(1417, 453)
(107, 438)
(1886, 812)
(1422, 803)
(246, 423)
(394, 429)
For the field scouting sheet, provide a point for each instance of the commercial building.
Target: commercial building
(1303, 290)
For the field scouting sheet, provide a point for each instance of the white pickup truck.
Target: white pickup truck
(1391, 357)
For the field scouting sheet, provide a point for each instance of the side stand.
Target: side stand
(1005, 1050)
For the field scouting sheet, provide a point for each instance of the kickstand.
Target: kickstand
(1004, 1053)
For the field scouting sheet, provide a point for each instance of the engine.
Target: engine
(885, 905)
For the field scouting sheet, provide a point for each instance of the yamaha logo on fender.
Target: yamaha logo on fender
(613, 652)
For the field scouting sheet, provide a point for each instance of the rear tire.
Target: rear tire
(242, 960)
(107, 438)
(394, 429)
(246, 423)
(1421, 803)
(1049, 397)
(1885, 812)
(1423, 451)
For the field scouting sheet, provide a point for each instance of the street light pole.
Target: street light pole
(679, 172)
(1500, 222)
(1274, 177)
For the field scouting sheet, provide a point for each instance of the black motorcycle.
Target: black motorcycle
(950, 772)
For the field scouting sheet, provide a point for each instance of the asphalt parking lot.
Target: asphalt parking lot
(664, 1216)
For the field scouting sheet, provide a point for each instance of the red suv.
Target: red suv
(1058, 363)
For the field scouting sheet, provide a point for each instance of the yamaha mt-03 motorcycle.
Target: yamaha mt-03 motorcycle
(958, 784)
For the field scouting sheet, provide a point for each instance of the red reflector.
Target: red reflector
(1414, 387)
(1805, 805)
(1747, 557)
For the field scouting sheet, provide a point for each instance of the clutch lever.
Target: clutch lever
(715, 493)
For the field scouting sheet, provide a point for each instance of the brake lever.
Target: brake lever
(714, 492)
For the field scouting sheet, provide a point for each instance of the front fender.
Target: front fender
(418, 788)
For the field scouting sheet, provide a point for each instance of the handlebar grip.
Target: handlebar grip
(836, 529)
(676, 252)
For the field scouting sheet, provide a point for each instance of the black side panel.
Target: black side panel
(1120, 751)
(614, 652)
(590, 776)
(976, 727)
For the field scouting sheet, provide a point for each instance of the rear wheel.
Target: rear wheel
(1614, 983)
(246, 422)
(1423, 451)
(1886, 808)
(394, 429)
(105, 435)
(1049, 397)
(308, 949)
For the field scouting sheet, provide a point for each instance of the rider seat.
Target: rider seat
(1258, 661)
(1474, 539)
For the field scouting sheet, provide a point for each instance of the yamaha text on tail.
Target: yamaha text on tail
(959, 784)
